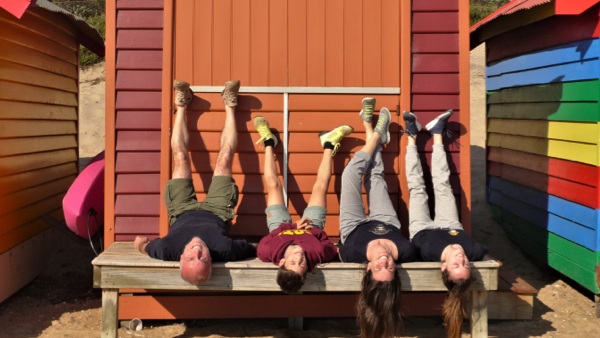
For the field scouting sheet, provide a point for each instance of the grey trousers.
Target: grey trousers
(352, 209)
(446, 214)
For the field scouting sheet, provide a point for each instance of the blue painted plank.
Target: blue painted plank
(576, 71)
(571, 52)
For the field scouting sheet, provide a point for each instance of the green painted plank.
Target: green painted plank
(556, 92)
(553, 111)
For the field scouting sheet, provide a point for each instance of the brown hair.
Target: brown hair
(379, 307)
(289, 281)
(454, 305)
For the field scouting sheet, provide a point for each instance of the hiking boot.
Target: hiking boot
(335, 137)
(383, 125)
(183, 93)
(230, 93)
(366, 114)
(438, 125)
(412, 125)
(262, 126)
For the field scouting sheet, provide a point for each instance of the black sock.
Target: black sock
(270, 143)
(328, 145)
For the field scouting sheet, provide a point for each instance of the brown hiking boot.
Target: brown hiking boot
(230, 93)
(183, 93)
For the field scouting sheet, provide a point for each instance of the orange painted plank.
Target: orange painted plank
(247, 184)
(139, 39)
(138, 100)
(210, 141)
(310, 143)
(138, 184)
(346, 102)
(435, 63)
(465, 119)
(353, 43)
(435, 84)
(304, 183)
(27, 93)
(21, 163)
(141, 19)
(139, 80)
(139, 59)
(16, 218)
(316, 43)
(18, 146)
(309, 163)
(137, 120)
(372, 43)
(25, 128)
(148, 162)
(138, 141)
(249, 226)
(299, 202)
(244, 163)
(42, 27)
(435, 22)
(240, 58)
(390, 18)
(246, 102)
(221, 65)
(32, 178)
(28, 196)
(36, 111)
(137, 205)
(26, 231)
(110, 108)
(278, 43)
(435, 43)
(297, 36)
(214, 121)
(184, 52)
(201, 43)
(259, 39)
(334, 43)
(136, 225)
(28, 75)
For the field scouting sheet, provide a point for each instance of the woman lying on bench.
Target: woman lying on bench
(376, 239)
(442, 239)
(297, 247)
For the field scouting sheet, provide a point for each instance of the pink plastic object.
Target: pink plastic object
(87, 192)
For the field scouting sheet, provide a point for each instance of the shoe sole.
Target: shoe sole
(436, 120)
(182, 85)
(323, 135)
(388, 124)
(363, 103)
(274, 136)
(237, 90)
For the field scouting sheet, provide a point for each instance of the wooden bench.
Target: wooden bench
(122, 267)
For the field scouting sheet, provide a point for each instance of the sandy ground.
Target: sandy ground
(62, 303)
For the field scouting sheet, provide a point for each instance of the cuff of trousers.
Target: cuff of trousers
(411, 149)
(363, 155)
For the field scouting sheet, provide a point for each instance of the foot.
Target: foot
(262, 126)
(438, 125)
(183, 93)
(230, 93)
(366, 114)
(412, 125)
(332, 139)
(383, 125)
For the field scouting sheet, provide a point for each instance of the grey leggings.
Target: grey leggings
(446, 213)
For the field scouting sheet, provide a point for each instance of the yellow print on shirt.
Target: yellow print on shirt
(295, 232)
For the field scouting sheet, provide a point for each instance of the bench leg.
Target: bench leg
(110, 312)
(296, 323)
(478, 314)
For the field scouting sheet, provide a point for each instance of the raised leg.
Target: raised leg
(110, 312)
(180, 139)
(478, 314)
(418, 210)
(318, 196)
(228, 144)
(380, 205)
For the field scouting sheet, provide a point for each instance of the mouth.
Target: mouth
(382, 257)
(196, 247)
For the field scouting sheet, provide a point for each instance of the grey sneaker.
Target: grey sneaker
(438, 125)
(183, 93)
(366, 114)
(230, 93)
(383, 125)
(412, 125)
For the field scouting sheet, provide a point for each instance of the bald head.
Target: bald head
(195, 263)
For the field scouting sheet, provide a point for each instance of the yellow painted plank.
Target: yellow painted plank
(20, 92)
(23, 74)
(36, 111)
(24, 163)
(22, 36)
(36, 144)
(24, 128)
(26, 231)
(38, 24)
(19, 217)
(572, 151)
(23, 198)
(584, 132)
(13, 183)
(26, 56)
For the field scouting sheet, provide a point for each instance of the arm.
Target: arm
(140, 244)
(241, 249)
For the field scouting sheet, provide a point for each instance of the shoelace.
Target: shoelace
(336, 139)
(368, 111)
(447, 132)
(335, 149)
(381, 123)
(265, 134)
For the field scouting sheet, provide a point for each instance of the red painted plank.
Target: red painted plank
(297, 43)
(138, 100)
(435, 22)
(211, 141)
(259, 39)
(139, 59)
(138, 184)
(246, 102)
(139, 39)
(140, 19)
(494, 168)
(435, 63)
(310, 143)
(137, 162)
(140, 4)
(247, 184)
(137, 205)
(435, 43)
(309, 163)
(138, 141)
(139, 80)
(436, 102)
(136, 225)
(214, 121)
(334, 47)
(434, 5)
(244, 163)
(249, 226)
(138, 120)
(425, 117)
(320, 102)
(435, 84)
(299, 202)
(451, 144)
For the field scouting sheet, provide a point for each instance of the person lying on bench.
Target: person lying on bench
(199, 231)
(442, 239)
(297, 247)
(376, 239)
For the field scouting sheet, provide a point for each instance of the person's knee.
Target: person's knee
(180, 156)
(225, 157)
(273, 183)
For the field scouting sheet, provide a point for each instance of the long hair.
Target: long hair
(454, 305)
(379, 307)
(289, 281)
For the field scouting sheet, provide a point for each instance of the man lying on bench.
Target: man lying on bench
(297, 247)
(199, 231)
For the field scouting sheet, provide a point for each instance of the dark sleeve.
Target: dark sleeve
(347, 252)
(263, 251)
(155, 249)
(479, 251)
(407, 252)
(241, 249)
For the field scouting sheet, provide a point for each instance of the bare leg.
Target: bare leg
(372, 143)
(274, 188)
(228, 144)
(368, 128)
(179, 146)
(319, 191)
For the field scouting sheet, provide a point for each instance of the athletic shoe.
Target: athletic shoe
(335, 137)
(262, 126)
(383, 125)
(183, 93)
(366, 114)
(230, 93)
(438, 125)
(412, 125)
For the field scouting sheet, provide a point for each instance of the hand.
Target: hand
(139, 241)
(304, 224)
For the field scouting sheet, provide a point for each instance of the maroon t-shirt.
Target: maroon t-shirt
(315, 243)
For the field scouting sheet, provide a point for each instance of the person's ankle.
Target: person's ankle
(269, 143)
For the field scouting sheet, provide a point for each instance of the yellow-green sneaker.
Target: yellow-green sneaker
(262, 126)
(335, 137)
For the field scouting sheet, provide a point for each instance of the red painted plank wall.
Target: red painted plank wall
(139, 43)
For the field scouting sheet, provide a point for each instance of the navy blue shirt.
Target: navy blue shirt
(354, 249)
(431, 244)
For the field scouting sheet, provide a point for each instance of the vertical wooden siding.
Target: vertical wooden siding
(38, 127)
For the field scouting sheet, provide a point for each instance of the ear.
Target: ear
(444, 266)
(281, 262)
(368, 266)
